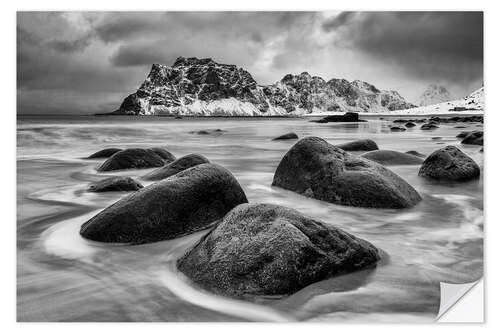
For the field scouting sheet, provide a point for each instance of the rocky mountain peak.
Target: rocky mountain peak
(204, 87)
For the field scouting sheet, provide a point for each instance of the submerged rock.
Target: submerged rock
(115, 184)
(217, 131)
(176, 166)
(317, 169)
(191, 200)
(397, 129)
(134, 158)
(163, 153)
(415, 153)
(449, 163)
(410, 124)
(429, 126)
(391, 157)
(473, 138)
(262, 249)
(463, 134)
(105, 153)
(287, 136)
(359, 145)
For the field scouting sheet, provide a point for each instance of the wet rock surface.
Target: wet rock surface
(263, 249)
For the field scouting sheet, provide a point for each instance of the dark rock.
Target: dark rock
(287, 136)
(410, 124)
(436, 138)
(264, 250)
(134, 158)
(397, 129)
(191, 200)
(463, 134)
(359, 145)
(348, 117)
(429, 126)
(164, 154)
(317, 169)
(449, 163)
(208, 132)
(473, 138)
(176, 166)
(105, 153)
(415, 153)
(390, 157)
(460, 127)
(115, 184)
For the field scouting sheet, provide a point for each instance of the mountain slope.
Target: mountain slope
(434, 94)
(202, 87)
(473, 103)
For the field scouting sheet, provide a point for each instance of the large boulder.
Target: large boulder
(346, 117)
(104, 153)
(473, 138)
(134, 158)
(359, 145)
(263, 249)
(317, 169)
(163, 153)
(176, 166)
(287, 136)
(449, 163)
(391, 157)
(115, 184)
(191, 200)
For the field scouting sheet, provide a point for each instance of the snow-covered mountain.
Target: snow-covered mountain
(434, 94)
(202, 87)
(473, 103)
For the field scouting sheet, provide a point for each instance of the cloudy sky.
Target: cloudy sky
(84, 62)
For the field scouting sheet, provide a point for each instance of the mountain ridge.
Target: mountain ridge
(203, 87)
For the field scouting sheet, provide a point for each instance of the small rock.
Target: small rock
(463, 134)
(410, 124)
(473, 138)
(359, 145)
(287, 136)
(115, 184)
(390, 157)
(397, 129)
(135, 158)
(429, 126)
(415, 153)
(449, 163)
(105, 153)
(176, 166)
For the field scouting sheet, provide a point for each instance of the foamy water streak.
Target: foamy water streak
(228, 306)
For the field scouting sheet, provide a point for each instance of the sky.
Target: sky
(87, 62)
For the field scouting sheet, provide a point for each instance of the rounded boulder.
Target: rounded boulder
(263, 249)
(191, 200)
(449, 163)
(317, 169)
(134, 158)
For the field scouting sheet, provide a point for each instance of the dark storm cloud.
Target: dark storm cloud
(88, 61)
(70, 46)
(445, 45)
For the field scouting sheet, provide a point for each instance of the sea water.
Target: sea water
(63, 277)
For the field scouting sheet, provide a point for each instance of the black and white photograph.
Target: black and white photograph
(248, 166)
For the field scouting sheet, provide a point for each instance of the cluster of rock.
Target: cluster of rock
(263, 249)
(203, 87)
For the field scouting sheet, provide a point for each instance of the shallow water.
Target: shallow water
(62, 277)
